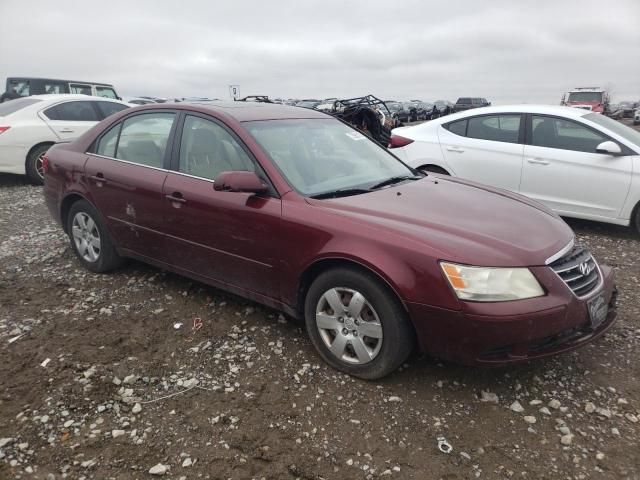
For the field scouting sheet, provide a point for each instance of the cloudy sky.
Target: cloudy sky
(507, 51)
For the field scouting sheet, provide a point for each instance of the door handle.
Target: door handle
(99, 179)
(175, 197)
(66, 130)
(538, 161)
(455, 149)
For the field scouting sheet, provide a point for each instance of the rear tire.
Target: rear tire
(367, 334)
(636, 219)
(33, 165)
(90, 240)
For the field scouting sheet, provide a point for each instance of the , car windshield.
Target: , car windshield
(625, 132)
(12, 106)
(319, 156)
(585, 97)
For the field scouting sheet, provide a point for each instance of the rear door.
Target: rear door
(485, 149)
(230, 237)
(70, 119)
(126, 172)
(562, 169)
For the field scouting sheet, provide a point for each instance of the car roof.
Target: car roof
(243, 111)
(99, 84)
(69, 96)
(524, 108)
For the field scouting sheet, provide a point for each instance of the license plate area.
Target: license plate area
(598, 310)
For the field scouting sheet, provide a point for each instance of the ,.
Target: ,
(30, 125)
(579, 163)
(294, 209)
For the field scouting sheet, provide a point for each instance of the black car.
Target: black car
(444, 107)
(628, 108)
(467, 103)
(407, 112)
(394, 108)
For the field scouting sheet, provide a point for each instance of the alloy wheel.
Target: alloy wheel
(86, 237)
(40, 165)
(349, 326)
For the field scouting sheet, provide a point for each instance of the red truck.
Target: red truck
(590, 98)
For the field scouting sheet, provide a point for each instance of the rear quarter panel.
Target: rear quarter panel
(65, 177)
(425, 149)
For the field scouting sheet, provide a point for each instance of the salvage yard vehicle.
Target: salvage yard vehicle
(467, 103)
(628, 108)
(26, 86)
(407, 112)
(636, 116)
(595, 99)
(294, 209)
(368, 114)
(445, 107)
(579, 163)
(30, 125)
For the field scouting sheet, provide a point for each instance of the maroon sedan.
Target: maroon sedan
(296, 210)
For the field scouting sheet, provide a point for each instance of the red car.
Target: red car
(294, 209)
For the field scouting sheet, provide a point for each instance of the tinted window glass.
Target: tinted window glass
(459, 127)
(206, 149)
(72, 112)
(464, 100)
(54, 88)
(7, 108)
(498, 128)
(143, 138)
(625, 132)
(109, 108)
(81, 89)
(107, 144)
(21, 87)
(564, 134)
(106, 92)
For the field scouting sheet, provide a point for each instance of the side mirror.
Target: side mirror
(239, 181)
(609, 148)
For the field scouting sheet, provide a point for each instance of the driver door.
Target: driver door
(230, 237)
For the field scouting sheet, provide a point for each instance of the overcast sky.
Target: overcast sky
(507, 51)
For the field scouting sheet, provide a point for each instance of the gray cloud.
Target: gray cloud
(505, 51)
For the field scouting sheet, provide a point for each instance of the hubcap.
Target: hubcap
(86, 237)
(349, 326)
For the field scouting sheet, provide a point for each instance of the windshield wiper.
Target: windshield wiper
(392, 180)
(344, 192)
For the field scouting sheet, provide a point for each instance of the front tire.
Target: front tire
(33, 165)
(90, 240)
(356, 324)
